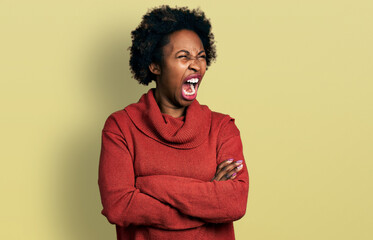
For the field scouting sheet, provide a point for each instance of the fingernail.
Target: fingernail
(230, 160)
(239, 161)
(234, 174)
(239, 167)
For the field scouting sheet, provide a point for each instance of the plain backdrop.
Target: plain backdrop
(296, 76)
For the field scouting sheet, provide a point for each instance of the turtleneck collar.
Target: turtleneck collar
(173, 132)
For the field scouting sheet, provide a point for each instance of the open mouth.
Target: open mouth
(189, 88)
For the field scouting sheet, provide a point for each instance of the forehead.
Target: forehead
(184, 40)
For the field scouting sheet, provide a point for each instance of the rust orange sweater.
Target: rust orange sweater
(155, 172)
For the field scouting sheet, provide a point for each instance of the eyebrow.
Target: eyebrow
(187, 52)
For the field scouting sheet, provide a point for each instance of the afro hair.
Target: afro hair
(152, 34)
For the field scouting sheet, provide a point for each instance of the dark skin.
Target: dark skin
(228, 169)
(184, 56)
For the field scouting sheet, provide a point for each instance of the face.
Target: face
(181, 71)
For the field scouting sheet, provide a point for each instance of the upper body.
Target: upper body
(155, 173)
(170, 167)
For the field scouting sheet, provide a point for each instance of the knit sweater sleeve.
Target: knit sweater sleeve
(217, 201)
(123, 204)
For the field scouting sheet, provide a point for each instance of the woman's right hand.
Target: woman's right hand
(227, 170)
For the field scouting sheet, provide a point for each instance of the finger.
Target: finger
(233, 173)
(221, 166)
(231, 170)
(233, 176)
(224, 163)
(226, 177)
(229, 166)
(222, 174)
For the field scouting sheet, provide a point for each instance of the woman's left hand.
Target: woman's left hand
(227, 170)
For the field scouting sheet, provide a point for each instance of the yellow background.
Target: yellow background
(296, 75)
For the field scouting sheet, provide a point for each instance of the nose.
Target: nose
(194, 65)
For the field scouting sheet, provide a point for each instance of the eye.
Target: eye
(203, 56)
(182, 56)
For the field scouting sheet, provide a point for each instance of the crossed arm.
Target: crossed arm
(123, 204)
(215, 201)
(170, 202)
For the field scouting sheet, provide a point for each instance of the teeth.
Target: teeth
(192, 89)
(190, 93)
(192, 80)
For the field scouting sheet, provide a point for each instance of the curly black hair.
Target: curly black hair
(152, 34)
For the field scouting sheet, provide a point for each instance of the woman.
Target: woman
(171, 168)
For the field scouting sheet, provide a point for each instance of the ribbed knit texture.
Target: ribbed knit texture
(192, 134)
(155, 172)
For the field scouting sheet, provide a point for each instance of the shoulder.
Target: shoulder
(220, 117)
(217, 118)
(225, 124)
(117, 122)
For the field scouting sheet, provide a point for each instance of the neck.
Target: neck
(168, 108)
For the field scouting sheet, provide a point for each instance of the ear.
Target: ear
(155, 68)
